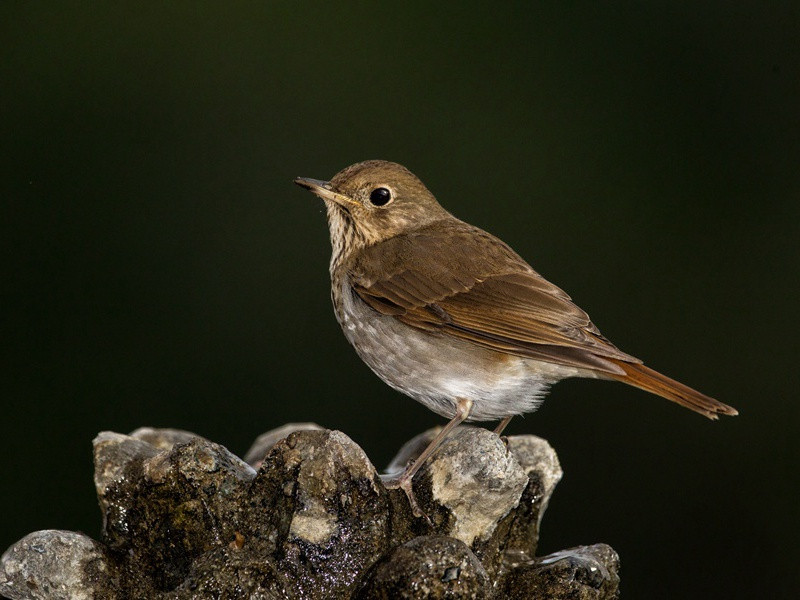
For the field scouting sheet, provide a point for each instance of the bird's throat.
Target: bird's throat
(344, 234)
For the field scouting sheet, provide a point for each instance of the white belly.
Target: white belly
(436, 369)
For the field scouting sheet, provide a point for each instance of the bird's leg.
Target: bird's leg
(463, 408)
(503, 424)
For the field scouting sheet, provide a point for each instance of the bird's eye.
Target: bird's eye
(380, 196)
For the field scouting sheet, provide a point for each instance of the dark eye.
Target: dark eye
(380, 196)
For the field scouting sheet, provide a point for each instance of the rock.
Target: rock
(468, 488)
(583, 573)
(410, 451)
(234, 573)
(56, 565)
(472, 482)
(113, 453)
(164, 510)
(324, 506)
(163, 439)
(184, 519)
(434, 566)
(264, 443)
(540, 463)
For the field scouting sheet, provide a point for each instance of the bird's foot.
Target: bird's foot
(393, 482)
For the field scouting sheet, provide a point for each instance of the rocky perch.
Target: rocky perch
(305, 515)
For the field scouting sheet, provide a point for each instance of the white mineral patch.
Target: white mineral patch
(314, 525)
(479, 484)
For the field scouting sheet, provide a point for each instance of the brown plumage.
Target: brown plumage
(461, 281)
(456, 279)
(645, 378)
(450, 315)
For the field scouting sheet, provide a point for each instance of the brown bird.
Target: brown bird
(453, 317)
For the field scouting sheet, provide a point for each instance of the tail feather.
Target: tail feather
(654, 382)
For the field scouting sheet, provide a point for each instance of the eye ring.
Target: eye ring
(380, 196)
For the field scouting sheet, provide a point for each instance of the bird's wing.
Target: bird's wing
(465, 283)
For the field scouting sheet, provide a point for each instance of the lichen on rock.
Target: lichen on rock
(306, 516)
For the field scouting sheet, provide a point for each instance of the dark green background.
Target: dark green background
(159, 267)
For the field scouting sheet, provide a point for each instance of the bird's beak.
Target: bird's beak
(324, 191)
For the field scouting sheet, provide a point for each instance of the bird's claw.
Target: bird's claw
(405, 484)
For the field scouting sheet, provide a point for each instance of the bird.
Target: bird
(452, 316)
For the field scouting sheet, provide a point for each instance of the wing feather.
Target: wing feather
(467, 284)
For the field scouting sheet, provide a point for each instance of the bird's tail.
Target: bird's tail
(654, 382)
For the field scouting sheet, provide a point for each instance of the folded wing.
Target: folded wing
(480, 290)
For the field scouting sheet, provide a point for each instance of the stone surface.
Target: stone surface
(264, 443)
(410, 451)
(540, 463)
(324, 511)
(183, 518)
(475, 479)
(469, 487)
(113, 452)
(56, 565)
(163, 439)
(583, 573)
(434, 566)
(167, 508)
(231, 573)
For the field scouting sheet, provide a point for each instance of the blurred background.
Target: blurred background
(159, 268)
